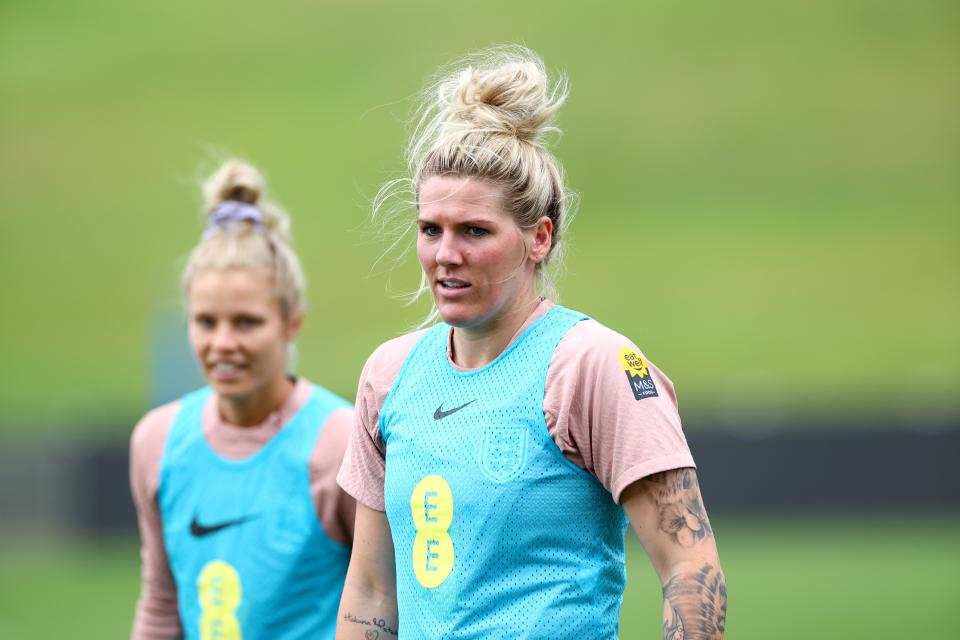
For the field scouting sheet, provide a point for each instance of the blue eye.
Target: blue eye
(204, 322)
(247, 322)
(477, 232)
(430, 230)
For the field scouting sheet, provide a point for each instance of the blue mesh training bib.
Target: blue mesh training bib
(248, 554)
(497, 534)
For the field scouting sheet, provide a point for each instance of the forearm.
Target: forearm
(695, 602)
(368, 607)
(363, 610)
(667, 513)
(156, 617)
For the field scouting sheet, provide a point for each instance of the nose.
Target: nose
(223, 338)
(448, 251)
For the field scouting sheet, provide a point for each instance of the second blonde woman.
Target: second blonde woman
(245, 533)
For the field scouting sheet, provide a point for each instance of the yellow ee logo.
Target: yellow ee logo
(431, 506)
(220, 594)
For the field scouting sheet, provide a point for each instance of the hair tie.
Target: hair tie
(231, 212)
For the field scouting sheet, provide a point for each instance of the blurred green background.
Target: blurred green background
(769, 209)
(769, 192)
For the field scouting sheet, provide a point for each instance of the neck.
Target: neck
(475, 347)
(252, 410)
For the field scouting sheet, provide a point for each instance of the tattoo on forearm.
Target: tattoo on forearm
(672, 624)
(682, 515)
(695, 605)
(376, 628)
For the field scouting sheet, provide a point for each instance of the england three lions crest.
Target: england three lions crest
(503, 452)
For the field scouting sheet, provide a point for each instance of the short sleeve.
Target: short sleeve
(610, 410)
(335, 508)
(157, 614)
(364, 462)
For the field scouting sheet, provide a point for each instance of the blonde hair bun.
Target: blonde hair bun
(264, 242)
(235, 180)
(511, 97)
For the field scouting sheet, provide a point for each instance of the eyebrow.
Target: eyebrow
(482, 220)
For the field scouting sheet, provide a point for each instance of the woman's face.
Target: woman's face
(479, 263)
(238, 333)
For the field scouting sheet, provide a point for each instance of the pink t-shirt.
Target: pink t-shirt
(590, 404)
(157, 614)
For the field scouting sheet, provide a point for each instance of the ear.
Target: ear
(293, 327)
(542, 240)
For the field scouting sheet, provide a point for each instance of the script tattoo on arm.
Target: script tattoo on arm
(695, 605)
(682, 515)
(374, 628)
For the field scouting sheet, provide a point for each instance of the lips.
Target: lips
(452, 283)
(452, 287)
(225, 370)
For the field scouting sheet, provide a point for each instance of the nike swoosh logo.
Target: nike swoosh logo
(440, 414)
(200, 530)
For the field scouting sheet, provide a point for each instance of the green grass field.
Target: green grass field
(877, 577)
(769, 196)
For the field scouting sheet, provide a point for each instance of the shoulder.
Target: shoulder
(150, 433)
(385, 362)
(306, 390)
(590, 344)
(378, 375)
(336, 431)
(390, 355)
(147, 444)
(590, 334)
(594, 359)
(338, 413)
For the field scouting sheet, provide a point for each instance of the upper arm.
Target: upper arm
(363, 469)
(146, 453)
(157, 614)
(610, 410)
(666, 511)
(335, 508)
(364, 463)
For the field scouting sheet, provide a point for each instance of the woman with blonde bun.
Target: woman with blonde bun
(498, 455)
(245, 533)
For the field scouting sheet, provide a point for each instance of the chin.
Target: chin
(229, 389)
(465, 319)
(456, 315)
